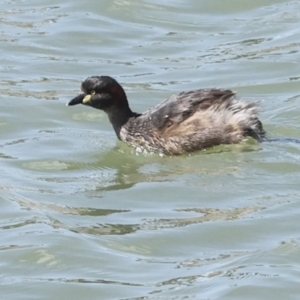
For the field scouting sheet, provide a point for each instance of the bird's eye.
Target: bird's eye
(93, 92)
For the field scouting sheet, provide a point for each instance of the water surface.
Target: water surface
(85, 217)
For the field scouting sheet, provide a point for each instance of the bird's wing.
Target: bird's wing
(179, 107)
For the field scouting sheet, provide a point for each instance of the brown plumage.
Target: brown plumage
(185, 122)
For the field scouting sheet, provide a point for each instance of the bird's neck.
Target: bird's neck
(119, 117)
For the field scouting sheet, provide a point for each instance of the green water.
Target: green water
(82, 216)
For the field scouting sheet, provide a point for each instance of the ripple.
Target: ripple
(45, 165)
(82, 211)
(207, 215)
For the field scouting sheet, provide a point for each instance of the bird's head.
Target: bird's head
(101, 92)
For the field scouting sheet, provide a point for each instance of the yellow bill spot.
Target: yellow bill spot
(86, 99)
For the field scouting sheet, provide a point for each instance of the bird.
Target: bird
(183, 123)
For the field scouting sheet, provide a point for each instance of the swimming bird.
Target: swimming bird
(183, 123)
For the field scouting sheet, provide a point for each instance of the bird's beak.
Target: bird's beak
(77, 100)
(80, 99)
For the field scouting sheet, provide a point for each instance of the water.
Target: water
(84, 217)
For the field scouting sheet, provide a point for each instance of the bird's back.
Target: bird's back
(192, 121)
